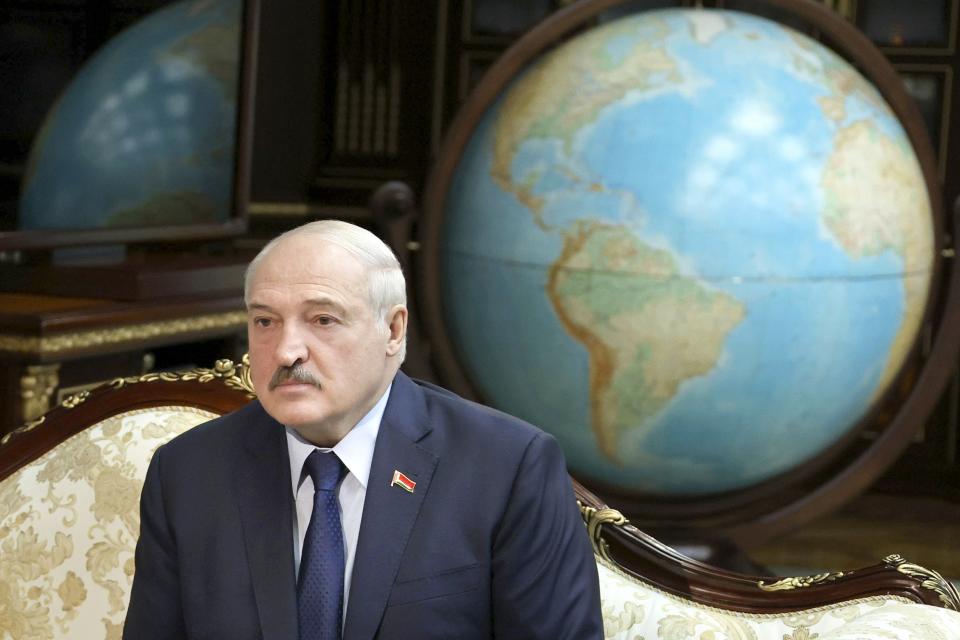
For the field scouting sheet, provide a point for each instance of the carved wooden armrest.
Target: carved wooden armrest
(647, 559)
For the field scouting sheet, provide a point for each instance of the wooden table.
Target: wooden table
(53, 346)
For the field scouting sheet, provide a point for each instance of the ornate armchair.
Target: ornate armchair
(69, 520)
(650, 591)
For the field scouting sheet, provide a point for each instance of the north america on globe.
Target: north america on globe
(715, 237)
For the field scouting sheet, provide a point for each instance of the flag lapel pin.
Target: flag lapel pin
(402, 481)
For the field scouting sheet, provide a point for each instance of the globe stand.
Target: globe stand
(394, 210)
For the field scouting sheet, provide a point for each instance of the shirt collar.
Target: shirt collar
(355, 450)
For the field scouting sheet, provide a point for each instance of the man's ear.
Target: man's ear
(397, 325)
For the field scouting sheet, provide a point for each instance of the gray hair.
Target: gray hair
(386, 285)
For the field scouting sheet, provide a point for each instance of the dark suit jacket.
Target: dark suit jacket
(489, 544)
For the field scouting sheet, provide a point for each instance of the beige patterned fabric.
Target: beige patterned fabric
(69, 523)
(899, 621)
(634, 610)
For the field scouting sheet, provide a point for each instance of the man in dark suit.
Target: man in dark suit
(350, 501)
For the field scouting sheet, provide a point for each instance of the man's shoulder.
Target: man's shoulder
(223, 431)
(454, 412)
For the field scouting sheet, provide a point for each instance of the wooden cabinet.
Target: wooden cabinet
(52, 347)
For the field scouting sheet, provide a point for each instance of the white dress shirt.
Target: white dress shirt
(356, 453)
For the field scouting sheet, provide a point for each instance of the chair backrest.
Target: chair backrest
(646, 562)
(69, 497)
(633, 608)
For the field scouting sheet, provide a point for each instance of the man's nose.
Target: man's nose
(291, 347)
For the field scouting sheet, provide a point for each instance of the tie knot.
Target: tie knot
(324, 468)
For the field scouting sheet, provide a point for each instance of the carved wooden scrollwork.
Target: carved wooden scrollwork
(929, 579)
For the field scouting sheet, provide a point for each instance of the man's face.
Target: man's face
(319, 356)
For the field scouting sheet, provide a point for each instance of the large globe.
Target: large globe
(144, 135)
(695, 245)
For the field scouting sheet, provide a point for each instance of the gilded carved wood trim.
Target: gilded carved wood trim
(800, 582)
(37, 385)
(235, 376)
(594, 519)
(929, 579)
(97, 338)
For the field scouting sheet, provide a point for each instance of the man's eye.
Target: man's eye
(262, 322)
(323, 320)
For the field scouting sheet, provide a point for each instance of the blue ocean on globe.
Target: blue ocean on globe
(145, 133)
(693, 245)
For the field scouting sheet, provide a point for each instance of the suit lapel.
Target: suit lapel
(263, 496)
(389, 512)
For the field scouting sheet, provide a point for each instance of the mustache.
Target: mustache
(294, 373)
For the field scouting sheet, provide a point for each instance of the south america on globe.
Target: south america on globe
(694, 245)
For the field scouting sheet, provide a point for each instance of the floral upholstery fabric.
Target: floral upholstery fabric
(899, 621)
(69, 523)
(634, 610)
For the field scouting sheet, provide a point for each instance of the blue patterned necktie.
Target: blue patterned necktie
(320, 584)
